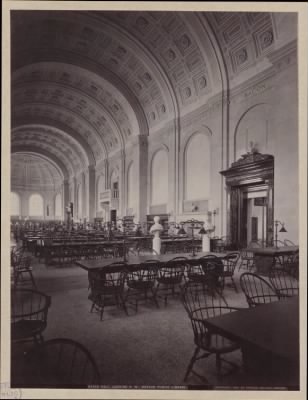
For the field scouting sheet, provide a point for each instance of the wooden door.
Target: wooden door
(254, 228)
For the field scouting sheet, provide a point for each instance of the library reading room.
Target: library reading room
(154, 200)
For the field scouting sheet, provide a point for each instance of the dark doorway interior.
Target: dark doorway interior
(250, 186)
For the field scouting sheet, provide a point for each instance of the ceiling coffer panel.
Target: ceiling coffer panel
(31, 171)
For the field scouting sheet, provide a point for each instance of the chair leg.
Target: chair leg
(102, 310)
(224, 300)
(123, 304)
(157, 289)
(218, 364)
(16, 277)
(191, 363)
(235, 287)
(32, 279)
(154, 298)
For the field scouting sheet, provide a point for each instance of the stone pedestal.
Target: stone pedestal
(156, 229)
(205, 243)
(156, 243)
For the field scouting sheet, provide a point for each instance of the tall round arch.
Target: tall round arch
(36, 205)
(197, 166)
(15, 204)
(159, 178)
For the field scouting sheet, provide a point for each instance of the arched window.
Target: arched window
(36, 205)
(197, 167)
(15, 204)
(131, 192)
(58, 206)
(159, 178)
(253, 131)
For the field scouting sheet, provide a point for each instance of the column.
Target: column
(122, 185)
(91, 192)
(142, 177)
(84, 195)
(66, 199)
(75, 200)
(106, 166)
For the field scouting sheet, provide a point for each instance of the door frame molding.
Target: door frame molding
(252, 170)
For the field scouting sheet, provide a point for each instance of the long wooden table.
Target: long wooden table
(269, 337)
(272, 251)
(265, 256)
(49, 248)
(90, 265)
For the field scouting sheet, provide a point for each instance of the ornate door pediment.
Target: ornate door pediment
(250, 168)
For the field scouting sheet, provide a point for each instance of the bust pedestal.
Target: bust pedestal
(156, 229)
(205, 243)
(156, 242)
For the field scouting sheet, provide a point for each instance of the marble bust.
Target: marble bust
(156, 229)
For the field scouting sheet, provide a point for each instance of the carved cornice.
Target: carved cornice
(252, 157)
(260, 83)
(253, 86)
(283, 54)
(251, 168)
(35, 188)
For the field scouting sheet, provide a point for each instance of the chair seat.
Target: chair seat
(204, 279)
(24, 269)
(24, 329)
(197, 277)
(102, 301)
(170, 280)
(256, 300)
(215, 343)
(106, 291)
(140, 285)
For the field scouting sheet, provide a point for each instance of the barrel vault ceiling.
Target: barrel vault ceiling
(84, 84)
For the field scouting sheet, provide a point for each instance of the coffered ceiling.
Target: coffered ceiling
(30, 172)
(85, 83)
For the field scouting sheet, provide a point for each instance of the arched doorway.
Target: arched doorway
(250, 194)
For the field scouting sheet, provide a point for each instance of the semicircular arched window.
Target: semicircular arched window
(15, 204)
(36, 205)
(58, 206)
